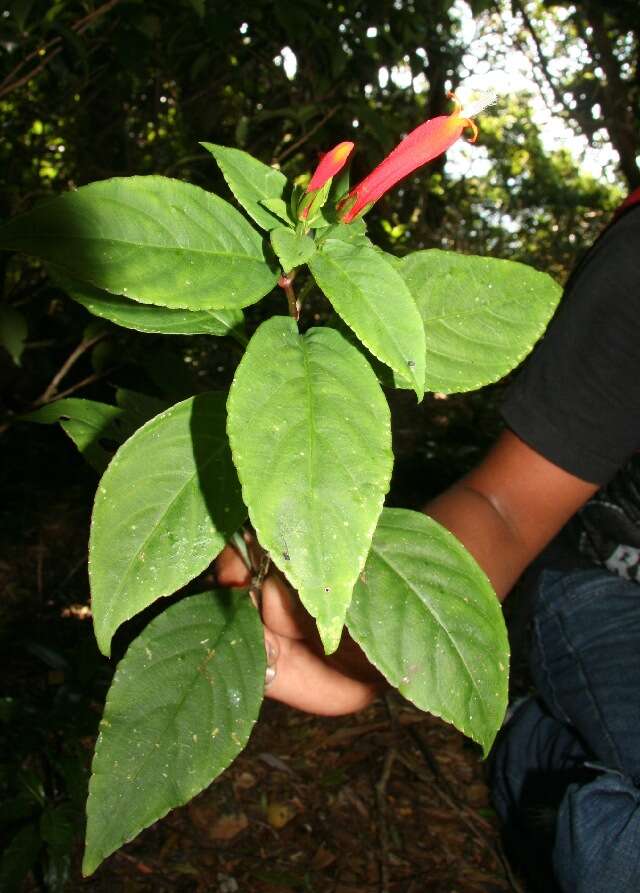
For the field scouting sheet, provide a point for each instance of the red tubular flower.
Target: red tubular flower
(427, 141)
(332, 162)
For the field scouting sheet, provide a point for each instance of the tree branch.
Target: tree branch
(618, 113)
(13, 82)
(52, 388)
(306, 136)
(519, 7)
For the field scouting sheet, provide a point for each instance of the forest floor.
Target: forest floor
(388, 800)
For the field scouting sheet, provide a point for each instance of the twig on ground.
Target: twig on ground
(383, 828)
(74, 570)
(479, 827)
(142, 867)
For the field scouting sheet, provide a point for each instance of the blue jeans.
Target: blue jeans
(565, 770)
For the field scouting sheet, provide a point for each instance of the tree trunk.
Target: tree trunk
(617, 108)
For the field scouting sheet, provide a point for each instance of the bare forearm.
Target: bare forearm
(508, 508)
(472, 518)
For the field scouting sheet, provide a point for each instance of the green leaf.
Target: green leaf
(373, 299)
(17, 858)
(91, 424)
(309, 432)
(279, 207)
(165, 507)
(481, 315)
(426, 616)
(58, 826)
(251, 182)
(340, 184)
(20, 10)
(198, 7)
(138, 408)
(354, 233)
(292, 249)
(13, 332)
(312, 203)
(88, 424)
(147, 317)
(296, 198)
(153, 239)
(396, 262)
(180, 709)
(16, 809)
(386, 377)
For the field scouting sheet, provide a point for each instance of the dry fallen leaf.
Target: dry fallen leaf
(244, 781)
(322, 859)
(228, 826)
(280, 814)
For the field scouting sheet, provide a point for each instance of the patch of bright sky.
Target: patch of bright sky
(517, 76)
(289, 61)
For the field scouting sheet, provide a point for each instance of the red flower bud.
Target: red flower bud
(332, 162)
(427, 141)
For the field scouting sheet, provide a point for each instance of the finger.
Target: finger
(351, 660)
(303, 680)
(282, 611)
(231, 569)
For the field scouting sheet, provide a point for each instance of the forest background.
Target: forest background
(90, 91)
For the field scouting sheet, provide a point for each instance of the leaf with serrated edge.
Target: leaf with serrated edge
(148, 317)
(310, 436)
(292, 249)
(87, 423)
(152, 239)
(355, 233)
(251, 182)
(374, 301)
(481, 315)
(165, 507)
(181, 707)
(280, 208)
(139, 408)
(426, 616)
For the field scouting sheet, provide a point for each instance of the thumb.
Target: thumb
(272, 649)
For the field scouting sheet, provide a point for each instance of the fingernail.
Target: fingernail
(272, 654)
(269, 676)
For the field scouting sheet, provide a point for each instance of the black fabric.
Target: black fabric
(606, 530)
(576, 399)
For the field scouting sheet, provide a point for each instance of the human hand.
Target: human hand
(299, 673)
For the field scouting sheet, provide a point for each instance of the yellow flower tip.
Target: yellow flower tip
(342, 152)
(468, 112)
(457, 105)
(330, 164)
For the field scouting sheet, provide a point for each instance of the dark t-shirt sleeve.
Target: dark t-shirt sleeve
(576, 399)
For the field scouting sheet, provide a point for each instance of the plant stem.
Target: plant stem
(286, 283)
(306, 288)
